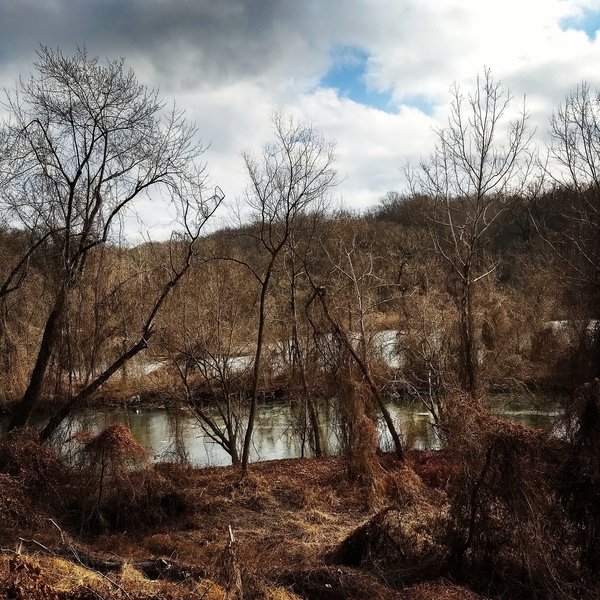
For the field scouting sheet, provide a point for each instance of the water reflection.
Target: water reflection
(274, 437)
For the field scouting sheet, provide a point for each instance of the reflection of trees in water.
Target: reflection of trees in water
(275, 436)
(177, 436)
(178, 448)
(417, 429)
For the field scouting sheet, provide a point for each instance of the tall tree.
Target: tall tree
(481, 158)
(292, 176)
(87, 139)
(575, 150)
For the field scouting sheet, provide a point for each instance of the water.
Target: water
(274, 438)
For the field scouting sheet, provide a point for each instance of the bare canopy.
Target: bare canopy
(83, 140)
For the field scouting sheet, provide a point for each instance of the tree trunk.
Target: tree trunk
(309, 404)
(78, 400)
(31, 396)
(256, 370)
(341, 334)
(469, 367)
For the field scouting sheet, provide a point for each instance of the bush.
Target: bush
(506, 531)
(119, 489)
(578, 479)
(39, 470)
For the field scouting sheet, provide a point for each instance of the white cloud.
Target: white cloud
(230, 64)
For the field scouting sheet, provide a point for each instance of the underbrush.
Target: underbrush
(504, 511)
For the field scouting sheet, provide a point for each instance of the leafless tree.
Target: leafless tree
(575, 139)
(300, 354)
(358, 356)
(575, 154)
(87, 140)
(207, 337)
(481, 159)
(292, 175)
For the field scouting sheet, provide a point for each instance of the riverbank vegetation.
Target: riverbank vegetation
(482, 277)
(502, 511)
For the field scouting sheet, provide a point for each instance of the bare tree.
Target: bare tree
(207, 333)
(299, 352)
(575, 150)
(292, 175)
(569, 221)
(87, 140)
(480, 160)
(340, 335)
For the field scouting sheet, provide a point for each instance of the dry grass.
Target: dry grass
(64, 575)
(439, 591)
(285, 513)
(52, 578)
(303, 528)
(404, 542)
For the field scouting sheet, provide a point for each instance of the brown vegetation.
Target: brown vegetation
(281, 535)
(496, 512)
(484, 277)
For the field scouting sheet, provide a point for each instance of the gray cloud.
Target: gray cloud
(193, 43)
(229, 62)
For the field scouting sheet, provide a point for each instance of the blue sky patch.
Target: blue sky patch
(348, 76)
(588, 21)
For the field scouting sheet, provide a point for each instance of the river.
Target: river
(274, 438)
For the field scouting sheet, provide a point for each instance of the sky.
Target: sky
(372, 75)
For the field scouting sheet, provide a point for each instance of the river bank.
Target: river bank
(175, 434)
(354, 527)
(270, 533)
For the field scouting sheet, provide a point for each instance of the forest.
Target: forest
(478, 280)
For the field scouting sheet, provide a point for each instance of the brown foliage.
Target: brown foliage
(18, 515)
(25, 581)
(359, 436)
(116, 444)
(401, 544)
(504, 518)
(439, 591)
(115, 496)
(38, 469)
(404, 542)
(336, 583)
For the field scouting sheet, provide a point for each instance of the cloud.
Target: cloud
(188, 43)
(231, 63)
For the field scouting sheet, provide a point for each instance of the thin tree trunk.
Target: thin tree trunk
(308, 401)
(256, 370)
(469, 367)
(314, 423)
(341, 334)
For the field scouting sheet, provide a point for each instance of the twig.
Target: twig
(62, 534)
(74, 553)
(23, 540)
(89, 589)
